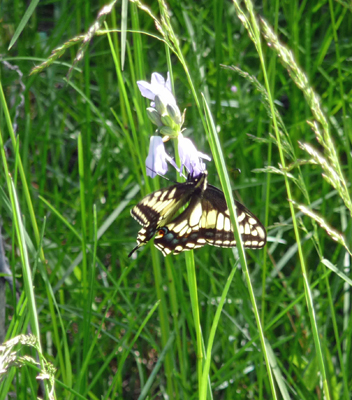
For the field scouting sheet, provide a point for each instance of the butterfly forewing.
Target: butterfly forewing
(160, 206)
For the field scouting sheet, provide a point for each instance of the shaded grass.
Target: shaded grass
(81, 148)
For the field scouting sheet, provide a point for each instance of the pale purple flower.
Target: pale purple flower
(158, 87)
(163, 101)
(156, 161)
(165, 113)
(190, 157)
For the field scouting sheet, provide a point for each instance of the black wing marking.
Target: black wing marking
(158, 208)
(207, 221)
(181, 234)
(252, 231)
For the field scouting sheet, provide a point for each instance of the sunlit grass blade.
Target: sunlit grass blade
(277, 372)
(193, 291)
(321, 125)
(205, 373)
(226, 186)
(27, 275)
(310, 305)
(63, 355)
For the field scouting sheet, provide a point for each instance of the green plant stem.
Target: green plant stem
(309, 299)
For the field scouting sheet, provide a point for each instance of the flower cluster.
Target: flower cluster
(165, 114)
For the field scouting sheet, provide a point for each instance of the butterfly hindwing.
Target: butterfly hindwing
(207, 221)
(216, 213)
(158, 208)
(181, 234)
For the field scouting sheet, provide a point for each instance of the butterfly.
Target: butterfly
(206, 219)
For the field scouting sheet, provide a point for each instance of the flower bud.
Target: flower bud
(159, 105)
(167, 121)
(154, 116)
(174, 113)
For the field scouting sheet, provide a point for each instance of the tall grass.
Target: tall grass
(266, 88)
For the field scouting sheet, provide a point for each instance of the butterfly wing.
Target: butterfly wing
(182, 233)
(217, 227)
(158, 208)
(207, 221)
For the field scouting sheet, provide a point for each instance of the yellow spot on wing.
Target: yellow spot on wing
(260, 231)
(227, 225)
(220, 222)
(184, 230)
(241, 217)
(163, 195)
(210, 219)
(180, 226)
(150, 202)
(195, 215)
(172, 193)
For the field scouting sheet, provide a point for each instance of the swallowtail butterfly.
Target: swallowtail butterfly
(206, 220)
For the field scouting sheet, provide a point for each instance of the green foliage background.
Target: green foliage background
(115, 327)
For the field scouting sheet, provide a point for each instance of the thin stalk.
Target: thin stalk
(257, 41)
(84, 282)
(225, 183)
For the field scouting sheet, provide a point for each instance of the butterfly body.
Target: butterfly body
(205, 220)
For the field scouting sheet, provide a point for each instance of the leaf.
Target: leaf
(23, 22)
(311, 375)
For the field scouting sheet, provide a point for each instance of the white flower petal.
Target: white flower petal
(146, 89)
(204, 156)
(190, 157)
(166, 96)
(156, 161)
(157, 79)
(159, 87)
(168, 82)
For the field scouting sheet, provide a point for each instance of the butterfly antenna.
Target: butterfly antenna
(137, 247)
(163, 176)
(183, 175)
(157, 173)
